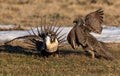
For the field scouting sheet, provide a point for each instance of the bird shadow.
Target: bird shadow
(26, 51)
(70, 52)
(15, 49)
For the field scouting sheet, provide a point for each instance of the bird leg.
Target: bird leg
(92, 54)
(57, 53)
(90, 51)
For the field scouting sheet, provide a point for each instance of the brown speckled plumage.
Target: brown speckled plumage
(80, 35)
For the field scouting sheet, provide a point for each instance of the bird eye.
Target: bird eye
(74, 21)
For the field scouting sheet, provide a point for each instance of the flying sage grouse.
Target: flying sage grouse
(80, 35)
(47, 40)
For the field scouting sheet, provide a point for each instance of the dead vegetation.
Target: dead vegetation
(28, 12)
(18, 58)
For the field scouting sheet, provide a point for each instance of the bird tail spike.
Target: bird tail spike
(33, 31)
(58, 29)
(38, 31)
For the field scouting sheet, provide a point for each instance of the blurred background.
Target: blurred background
(29, 12)
(18, 58)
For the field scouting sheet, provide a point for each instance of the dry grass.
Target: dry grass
(18, 59)
(28, 12)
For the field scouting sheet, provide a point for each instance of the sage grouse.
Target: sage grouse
(80, 35)
(47, 40)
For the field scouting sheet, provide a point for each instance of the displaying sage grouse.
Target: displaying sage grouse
(47, 40)
(80, 35)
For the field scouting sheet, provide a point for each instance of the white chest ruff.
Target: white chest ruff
(51, 47)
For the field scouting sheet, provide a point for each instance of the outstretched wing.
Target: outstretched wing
(24, 37)
(71, 38)
(94, 20)
(77, 36)
(32, 35)
(81, 34)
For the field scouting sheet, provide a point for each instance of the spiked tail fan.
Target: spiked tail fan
(52, 47)
(39, 39)
(42, 33)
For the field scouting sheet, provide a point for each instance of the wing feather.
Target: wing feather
(94, 20)
(71, 38)
(80, 35)
(23, 37)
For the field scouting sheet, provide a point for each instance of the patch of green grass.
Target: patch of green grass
(69, 63)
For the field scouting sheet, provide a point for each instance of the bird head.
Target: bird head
(51, 42)
(51, 36)
(78, 21)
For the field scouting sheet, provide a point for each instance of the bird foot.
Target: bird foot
(92, 54)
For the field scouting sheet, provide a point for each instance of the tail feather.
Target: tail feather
(104, 52)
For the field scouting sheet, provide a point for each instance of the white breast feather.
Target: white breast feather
(52, 47)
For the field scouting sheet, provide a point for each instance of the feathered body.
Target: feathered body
(47, 39)
(51, 46)
(80, 35)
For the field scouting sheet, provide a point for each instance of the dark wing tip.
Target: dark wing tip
(100, 11)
